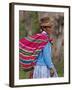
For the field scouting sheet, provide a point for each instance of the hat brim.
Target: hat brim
(46, 24)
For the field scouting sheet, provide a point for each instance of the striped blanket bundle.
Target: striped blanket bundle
(29, 48)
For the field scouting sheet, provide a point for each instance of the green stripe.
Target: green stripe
(25, 50)
(38, 50)
(35, 40)
(26, 61)
(27, 53)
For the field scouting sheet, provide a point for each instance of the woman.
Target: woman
(44, 66)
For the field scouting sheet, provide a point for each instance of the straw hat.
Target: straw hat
(46, 21)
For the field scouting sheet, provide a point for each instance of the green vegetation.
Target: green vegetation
(35, 22)
(24, 74)
(60, 68)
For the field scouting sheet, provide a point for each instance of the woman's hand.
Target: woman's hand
(51, 72)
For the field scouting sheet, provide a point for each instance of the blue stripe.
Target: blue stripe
(27, 61)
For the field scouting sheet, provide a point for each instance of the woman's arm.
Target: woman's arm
(47, 58)
(47, 55)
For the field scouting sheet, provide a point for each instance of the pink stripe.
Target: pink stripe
(32, 44)
(25, 46)
(26, 57)
(39, 36)
(21, 57)
(26, 66)
(36, 47)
